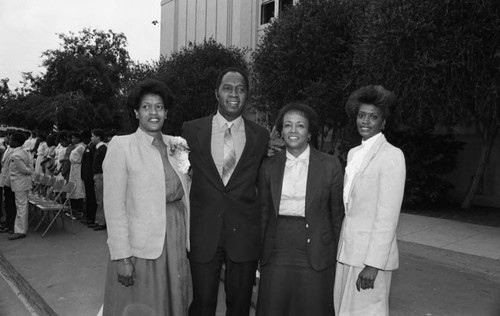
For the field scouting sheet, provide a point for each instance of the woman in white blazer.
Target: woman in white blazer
(147, 213)
(373, 194)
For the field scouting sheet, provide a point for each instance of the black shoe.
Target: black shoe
(92, 225)
(16, 236)
(100, 227)
(4, 230)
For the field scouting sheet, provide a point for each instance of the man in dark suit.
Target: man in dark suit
(88, 180)
(226, 153)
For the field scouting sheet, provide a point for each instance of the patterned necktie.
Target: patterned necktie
(229, 155)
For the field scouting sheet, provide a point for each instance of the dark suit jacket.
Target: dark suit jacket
(87, 162)
(236, 204)
(324, 210)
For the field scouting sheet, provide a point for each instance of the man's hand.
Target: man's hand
(126, 271)
(366, 278)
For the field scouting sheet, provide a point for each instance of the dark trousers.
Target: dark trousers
(10, 207)
(90, 201)
(239, 279)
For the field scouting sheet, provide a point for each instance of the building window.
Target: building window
(266, 12)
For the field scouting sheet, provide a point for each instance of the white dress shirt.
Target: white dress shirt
(218, 129)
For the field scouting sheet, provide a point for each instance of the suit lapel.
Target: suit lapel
(313, 176)
(276, 179)
(204, 137)
(246, 155)
(366, 161)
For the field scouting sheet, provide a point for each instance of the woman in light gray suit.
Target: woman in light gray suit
(147, 213)
(373, 193)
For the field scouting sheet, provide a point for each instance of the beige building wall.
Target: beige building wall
(230, 22)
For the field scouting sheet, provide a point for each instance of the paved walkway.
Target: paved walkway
(67, 266)
(446, 234)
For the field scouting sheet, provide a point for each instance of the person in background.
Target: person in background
(146, 205)
(373, 194)
(8, 195)
(2, 212)
(60, 152)
(20, 170)
(88, 180)
(75, 158)
(226, 153)
(29, 144)
(300, 189)
(42, 150)
(99, 155)
(65, 163)
(48, 163)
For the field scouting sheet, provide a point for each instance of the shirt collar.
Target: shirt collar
(99, 144)
(370, 141)
(220, 122)
(304, 156)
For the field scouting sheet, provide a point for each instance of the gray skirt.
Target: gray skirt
(162, 286)
(288, 284)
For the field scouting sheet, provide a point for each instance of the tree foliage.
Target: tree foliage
(306, 55)
(442, 58)
(81, 87)
(191, 74)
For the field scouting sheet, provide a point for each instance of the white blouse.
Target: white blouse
(353, 166)
(293, 191)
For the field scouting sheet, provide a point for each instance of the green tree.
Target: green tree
(443, 59)
(306, 55)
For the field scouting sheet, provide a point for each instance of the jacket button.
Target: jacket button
(308, 240)
(234, 229)
(307, 225)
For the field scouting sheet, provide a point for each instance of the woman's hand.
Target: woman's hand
(126, 271)
(366, 278)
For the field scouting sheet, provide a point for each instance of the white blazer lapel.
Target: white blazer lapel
(366, 161)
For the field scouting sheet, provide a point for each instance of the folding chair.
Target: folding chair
(62, 204)
(41, 193)
(52, 196)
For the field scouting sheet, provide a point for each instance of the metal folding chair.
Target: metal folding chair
(62, 203)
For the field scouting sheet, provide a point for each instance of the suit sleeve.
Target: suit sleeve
(336, 204)
(115, 176)
(389, 200)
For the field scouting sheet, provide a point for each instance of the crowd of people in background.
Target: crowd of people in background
(70, 155)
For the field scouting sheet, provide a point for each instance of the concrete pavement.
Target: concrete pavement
(67, 266)
(482, 241)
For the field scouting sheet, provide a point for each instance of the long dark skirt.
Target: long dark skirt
(162, 286)
(288, 284)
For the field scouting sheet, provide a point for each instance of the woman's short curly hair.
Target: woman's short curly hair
(375, 95)
(304, 110)
(149, 86)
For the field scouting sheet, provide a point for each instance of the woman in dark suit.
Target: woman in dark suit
(301, 196)
(373, 193)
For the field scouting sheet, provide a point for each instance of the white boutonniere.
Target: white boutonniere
(180, 151)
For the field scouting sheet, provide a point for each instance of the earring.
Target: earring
(309, 138)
